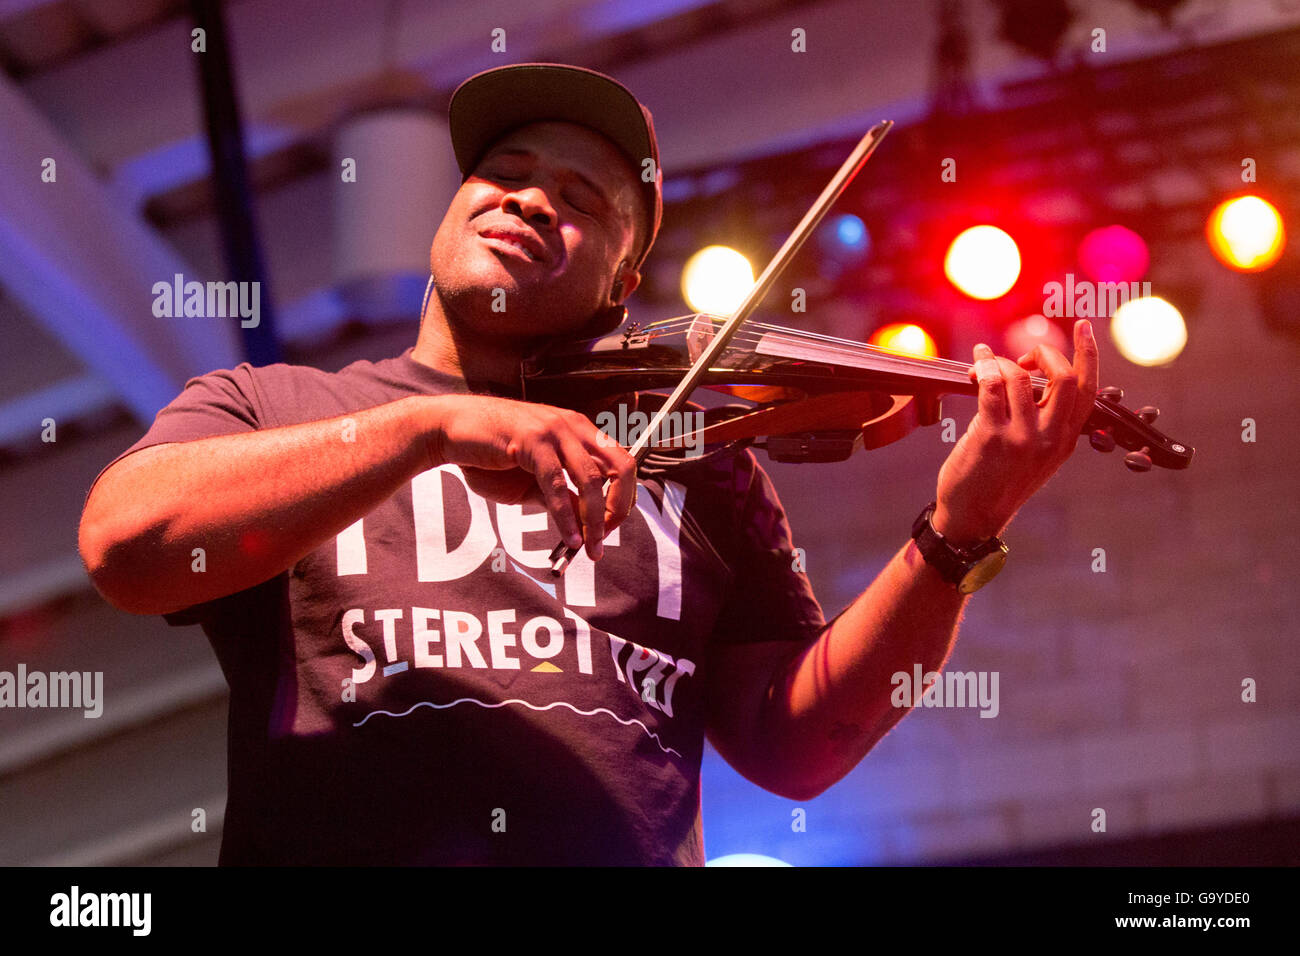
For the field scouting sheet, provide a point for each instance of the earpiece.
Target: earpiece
(425, 304)
(616, 292)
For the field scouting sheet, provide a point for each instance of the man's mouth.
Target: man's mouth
(515, 242)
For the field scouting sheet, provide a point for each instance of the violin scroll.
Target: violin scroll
(1111, 425)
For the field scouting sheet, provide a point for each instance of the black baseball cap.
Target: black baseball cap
(490, 104)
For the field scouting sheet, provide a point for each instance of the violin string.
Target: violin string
(834, 345)
(848, 346)
(922, 367)
(670, 326)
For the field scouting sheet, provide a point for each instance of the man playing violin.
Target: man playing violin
(409, 684)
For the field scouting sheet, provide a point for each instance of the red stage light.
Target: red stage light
(1031, 331)
(1114, 254)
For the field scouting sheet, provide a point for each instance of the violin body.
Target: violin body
(811, 398)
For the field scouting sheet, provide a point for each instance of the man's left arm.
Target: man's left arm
(796, 720)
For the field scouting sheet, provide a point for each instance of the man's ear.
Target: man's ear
(625, 283)
(606, 320)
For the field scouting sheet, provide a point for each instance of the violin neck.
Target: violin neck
(908, 374)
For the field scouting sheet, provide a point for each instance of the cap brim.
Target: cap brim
(487, 106)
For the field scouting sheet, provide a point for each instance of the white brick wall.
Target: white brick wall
(1069, 820)
(1120, 689)
(1222, 799)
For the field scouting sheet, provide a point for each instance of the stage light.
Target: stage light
(716, 280)
(746, 859)
(1032, 331)
(843, 243)
(1114, 254)
(1246, 233)
(983, 262)
(905, 338)
(846, 237)
(1148, 331)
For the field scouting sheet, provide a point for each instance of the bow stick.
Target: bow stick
(562, 554)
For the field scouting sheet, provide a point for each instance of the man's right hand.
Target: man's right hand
(511, 451)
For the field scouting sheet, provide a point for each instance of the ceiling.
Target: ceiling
(109, 88)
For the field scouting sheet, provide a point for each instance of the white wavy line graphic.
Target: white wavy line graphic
(559, 703)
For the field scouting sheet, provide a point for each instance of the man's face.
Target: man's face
(547, 216)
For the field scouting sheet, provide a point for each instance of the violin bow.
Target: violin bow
(562, 554)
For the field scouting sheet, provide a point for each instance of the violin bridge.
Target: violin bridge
(699, 335)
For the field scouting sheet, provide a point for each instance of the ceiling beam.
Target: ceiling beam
(131, 106)
(85, 268)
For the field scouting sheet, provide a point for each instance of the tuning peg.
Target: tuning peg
(1102, 440)
(1139, 460)
(1148, 413)
(1111, 393)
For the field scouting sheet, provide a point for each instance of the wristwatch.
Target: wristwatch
(968, 568)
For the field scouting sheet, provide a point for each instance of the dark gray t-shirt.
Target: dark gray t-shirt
(419, 690)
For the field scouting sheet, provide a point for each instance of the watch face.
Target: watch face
(983, 571)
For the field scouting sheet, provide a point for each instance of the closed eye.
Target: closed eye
(582, 207)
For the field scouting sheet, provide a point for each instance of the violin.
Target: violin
(815, 397)
(808, 397)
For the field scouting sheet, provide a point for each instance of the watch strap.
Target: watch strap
(952, 563)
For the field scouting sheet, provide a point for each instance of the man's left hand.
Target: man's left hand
(1014, 444)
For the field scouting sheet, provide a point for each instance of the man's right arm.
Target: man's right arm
(255, 502)
(258, 502)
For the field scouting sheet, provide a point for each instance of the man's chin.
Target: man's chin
(518, 327)
(489, 302)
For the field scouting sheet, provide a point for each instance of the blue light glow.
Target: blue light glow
(851, 231)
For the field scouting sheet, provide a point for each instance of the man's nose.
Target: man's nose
(530, 204)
